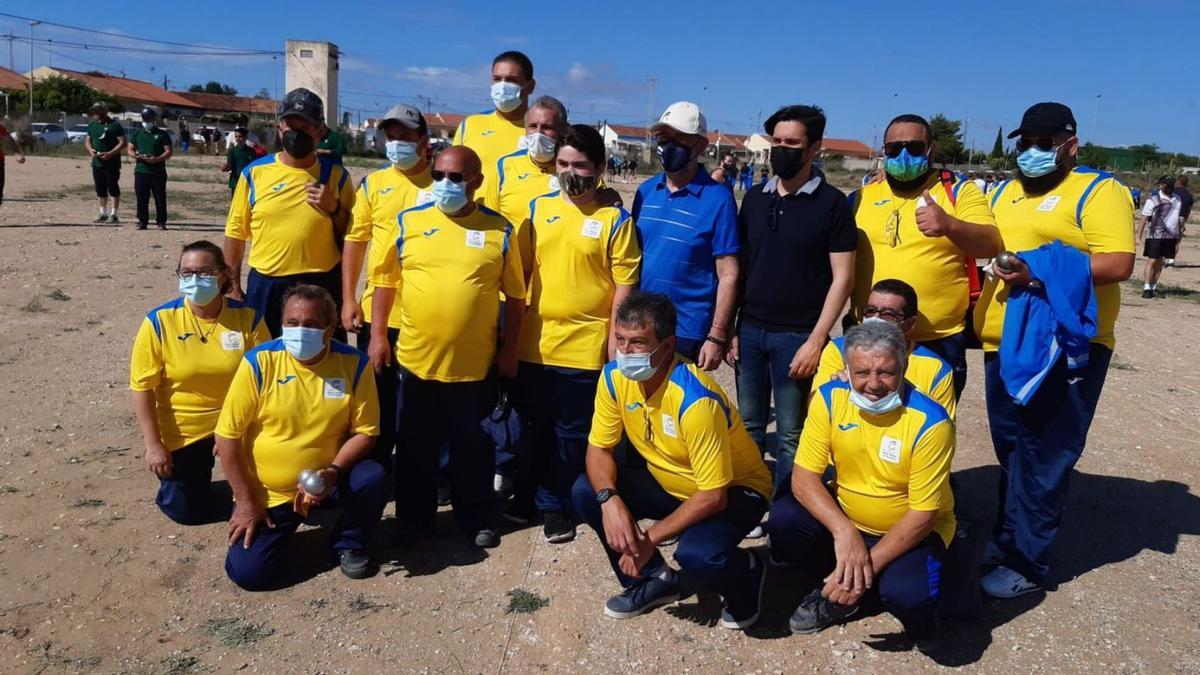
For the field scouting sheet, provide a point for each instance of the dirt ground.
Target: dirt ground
(95, 579)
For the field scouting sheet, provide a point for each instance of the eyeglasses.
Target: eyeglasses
(1044, 143)
(915, 148)
(886, 314)
(892, 229)
(203, 272)
(454, 176)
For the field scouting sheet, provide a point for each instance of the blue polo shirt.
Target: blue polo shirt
(681, 235)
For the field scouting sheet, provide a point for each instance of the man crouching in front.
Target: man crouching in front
(700, 475)
(891, 513)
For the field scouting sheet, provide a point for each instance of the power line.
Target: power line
(138, 50)
(122, 36)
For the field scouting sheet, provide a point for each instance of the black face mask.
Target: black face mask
(297, 143)
(1042, 184)
(574, 184)
(787, 162)
(902, 186)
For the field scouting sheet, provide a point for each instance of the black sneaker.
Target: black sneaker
(815, 614)
(1147, 293)
(443, 493)
(102, 218)
(559, 527)
(653, 591)
(162, 226)
(355, 564)
(114, 220)
(486, 539)
(743, 613)
(142, 226)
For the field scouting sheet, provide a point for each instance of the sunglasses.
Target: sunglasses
(915, 148)
(891, 229)
(1044, 143)
(454, 176)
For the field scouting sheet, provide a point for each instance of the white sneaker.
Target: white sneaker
(502, 485)
(756, 533)
(992, 554)
(1005, 583)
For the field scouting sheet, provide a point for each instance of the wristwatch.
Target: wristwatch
(605, 495)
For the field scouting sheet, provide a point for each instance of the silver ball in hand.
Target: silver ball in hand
(1006, 262)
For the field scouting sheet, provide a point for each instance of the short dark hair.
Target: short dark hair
(1182, 180)
(909, 118)
(643, 307)
(901, 289)
(585, 139)
(811, 116)
(518, 58)
(206, 246)
(242, 130)
(313, 293)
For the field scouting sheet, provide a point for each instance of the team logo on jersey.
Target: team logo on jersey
(279, 187)
(185, 336)
(881, 202)
(523, 176)
(488, 132)
(847, 427)
(287, 379)
(430, 232)
(633, 406)
(385, 190)
(551, 219)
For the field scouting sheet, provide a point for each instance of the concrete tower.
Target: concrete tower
(314, 66)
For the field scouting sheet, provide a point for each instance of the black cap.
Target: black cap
(1046, 119)
(149, 113)
(304, 104)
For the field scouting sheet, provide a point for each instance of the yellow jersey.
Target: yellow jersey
(291, 417)
(690, 436)
(580, 256)
(381, 196)
(886, 464)
(1089, 211)
(518, 181)
(926, 371)
(270, 209)
(491, 137)
(449, 273)
(890, 246)
(188, 363)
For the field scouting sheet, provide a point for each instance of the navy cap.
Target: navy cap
(1046, 119)
(149, 113)
(304, 104)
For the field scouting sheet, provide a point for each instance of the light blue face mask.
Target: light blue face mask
(882, 406)
(906, 167)
(449, 196)
(303, 343)
(403, 154)
(1035, 162)
(200, 289)
(147, 125)
(636, 367)
(506, 96)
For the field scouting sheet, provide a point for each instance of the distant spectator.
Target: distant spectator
(1160, 225)
(16, 149)
(151, 147)
(1185, 210)
(104, 142)
(239, 156)
(185, 134)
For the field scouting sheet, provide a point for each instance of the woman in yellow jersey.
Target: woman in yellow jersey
(184, 356)
(304, 402)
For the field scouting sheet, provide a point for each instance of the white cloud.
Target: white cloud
(578, 73)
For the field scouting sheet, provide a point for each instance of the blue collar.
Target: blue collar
(695, 186)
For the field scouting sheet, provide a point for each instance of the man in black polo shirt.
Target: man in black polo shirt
(798, 240)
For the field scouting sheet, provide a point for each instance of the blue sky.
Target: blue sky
(982, 61)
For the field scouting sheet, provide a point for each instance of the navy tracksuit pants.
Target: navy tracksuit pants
(187, 497)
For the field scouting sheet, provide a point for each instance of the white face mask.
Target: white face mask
(506, 96)
(541, 147)
(881, 407)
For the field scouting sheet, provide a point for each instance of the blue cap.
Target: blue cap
(149, 113)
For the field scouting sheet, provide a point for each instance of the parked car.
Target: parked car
(77, 133)
(41, 134)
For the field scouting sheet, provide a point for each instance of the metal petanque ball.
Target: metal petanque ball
(1006, 262)
(313, 482)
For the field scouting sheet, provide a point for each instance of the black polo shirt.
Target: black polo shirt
(785, 259)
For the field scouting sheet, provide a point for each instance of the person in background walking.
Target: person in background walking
(151, 147)
(1185, 210)
(1160, 226)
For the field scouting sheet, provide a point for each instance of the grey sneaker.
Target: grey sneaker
(815, 614)
(657, 590)
(114, 220)
(487, 539)
(1147, 293)
(743, 613)
(559, 528)
(355, 564)
(102, 218)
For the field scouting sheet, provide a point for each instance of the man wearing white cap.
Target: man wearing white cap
(381, 196)
(687, 223)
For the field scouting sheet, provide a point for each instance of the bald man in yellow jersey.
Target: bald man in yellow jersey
(1038, 443)
(923, 228)
(499, 132)
(445, 272)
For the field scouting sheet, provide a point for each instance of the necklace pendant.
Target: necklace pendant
(204, 339)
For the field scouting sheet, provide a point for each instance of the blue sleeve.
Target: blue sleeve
(725, 229)
(637, 204)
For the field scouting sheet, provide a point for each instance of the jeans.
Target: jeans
(688, 347)
(953, 350)
(187, 496)
(764, 357)
(387, 384)
(908, 587)
(707, 552)
(556, 405)
(430, 413)
(265, 293)
(362, 491)
(1037, 446)
(145, 185)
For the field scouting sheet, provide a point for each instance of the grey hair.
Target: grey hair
(552, 104)
(877, 336)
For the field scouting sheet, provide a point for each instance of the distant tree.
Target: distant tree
(62, 94)
(213, 87)
(1145, 154)
(1093, 156)
(263, 94)
(998, 146)
(947, 135)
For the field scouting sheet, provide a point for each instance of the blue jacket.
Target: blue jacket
(1042, 323)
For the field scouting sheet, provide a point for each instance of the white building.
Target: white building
(314, 66)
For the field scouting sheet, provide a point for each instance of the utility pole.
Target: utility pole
(31, 25)
(9, 37)
(428, 104)
(275, 72)
(1095, 114)
(651, 81)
